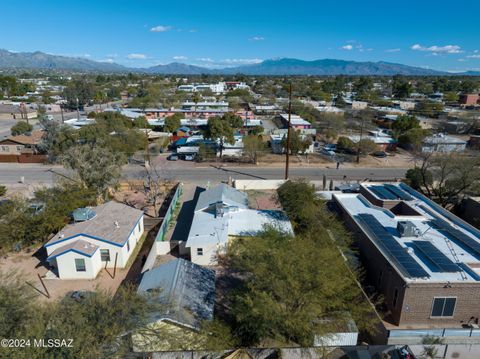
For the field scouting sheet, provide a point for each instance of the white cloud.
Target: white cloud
(393, 50)
(161, 28)
(180, 58)
(257, 38)
(241, 61)
(347, 47)
(109, 61)
(205, 59)
(462, 60)
(136, 56)
(474, 57)
(448, 49)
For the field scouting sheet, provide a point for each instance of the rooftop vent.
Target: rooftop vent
(219, 211)
(116, 224)
(407, 229)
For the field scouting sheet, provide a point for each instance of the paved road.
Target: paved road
(44, 174)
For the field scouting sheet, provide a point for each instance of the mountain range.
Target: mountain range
(283, 66)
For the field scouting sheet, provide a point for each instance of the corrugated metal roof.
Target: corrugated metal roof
(222, 193)
(187, 291)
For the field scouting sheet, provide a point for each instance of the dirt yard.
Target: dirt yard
(29, 266)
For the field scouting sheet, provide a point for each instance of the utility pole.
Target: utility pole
(359, 141)
(61, 111)
(78, 111)
(287, 163)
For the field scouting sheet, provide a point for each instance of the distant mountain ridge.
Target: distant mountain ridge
(275, 67)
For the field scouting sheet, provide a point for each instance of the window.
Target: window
(443, 307)
(5, 149)
(128, 246)
(80, 265)
(199, 251)
(19, 148)
(105, 255)
(395, 298)
(139, 226)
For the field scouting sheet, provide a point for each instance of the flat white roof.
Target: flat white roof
(355, 204)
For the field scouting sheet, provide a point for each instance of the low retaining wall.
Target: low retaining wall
(245, 185)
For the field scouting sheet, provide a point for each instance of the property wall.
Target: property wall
(245, 185)
(66, 266)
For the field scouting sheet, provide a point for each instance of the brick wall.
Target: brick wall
(414, 301)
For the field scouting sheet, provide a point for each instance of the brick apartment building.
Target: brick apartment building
(471, 99)
(422, 259)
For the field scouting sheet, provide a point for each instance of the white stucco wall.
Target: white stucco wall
(123, 253)
(209, 256)
(66, 266)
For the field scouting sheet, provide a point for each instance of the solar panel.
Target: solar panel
(404, 260)
(440, 260)
(459, 236)
(382, 193)
(398, 192)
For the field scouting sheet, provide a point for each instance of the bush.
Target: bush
(21, 128)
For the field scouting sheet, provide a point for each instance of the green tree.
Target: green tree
(98, 168)
(405, 123)
(253, 146)
(21, 128)
(298, 143)
(366, 145)
(413, 138)
(220, 129)
(78, 89)
(429, 108)
(345, 143)
(401, 87)
(3, 190)
(172, 123)
(294, 288)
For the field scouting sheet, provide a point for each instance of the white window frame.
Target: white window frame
(199, 251)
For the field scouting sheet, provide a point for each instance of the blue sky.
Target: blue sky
(435, 34)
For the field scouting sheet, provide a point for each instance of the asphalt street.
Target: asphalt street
(45, 174)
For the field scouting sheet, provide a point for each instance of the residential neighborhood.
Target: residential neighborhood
(177, 183)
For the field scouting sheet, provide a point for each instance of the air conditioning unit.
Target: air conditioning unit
(407, 229)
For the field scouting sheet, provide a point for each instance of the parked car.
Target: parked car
(379, 154)
(172, 157)
(189, 157)
(330, 147)
(327, 152)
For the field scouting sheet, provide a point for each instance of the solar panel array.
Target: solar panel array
(404, 260)
(459, 236)
(382, 193)
(440, 260)
(398, 192)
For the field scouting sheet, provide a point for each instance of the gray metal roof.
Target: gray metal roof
(187, 291)
(222, 193)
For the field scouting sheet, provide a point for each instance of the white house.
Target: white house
(103, 236)
(442, 143)
(222, 214)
